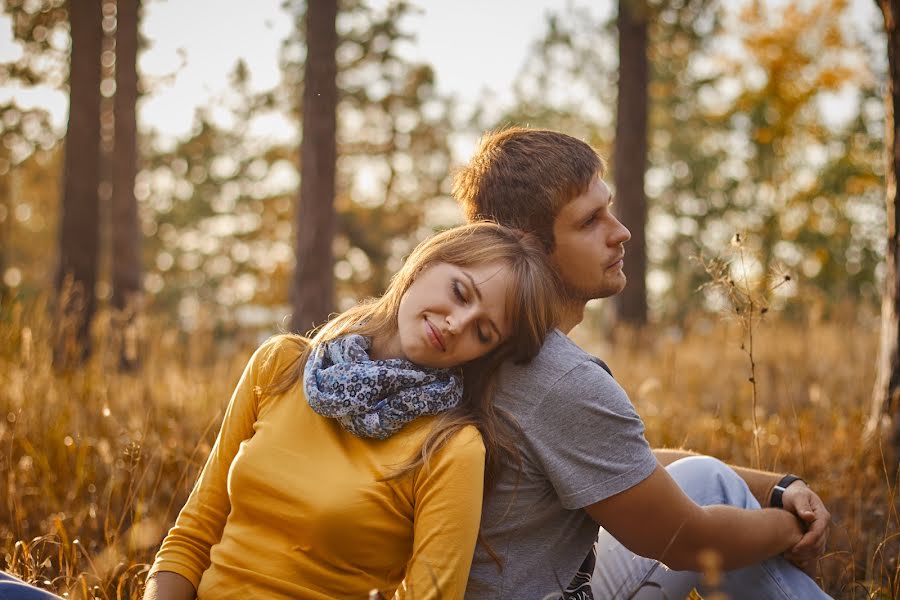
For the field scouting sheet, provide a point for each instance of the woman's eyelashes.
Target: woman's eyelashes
(461, 294)
(458, 291)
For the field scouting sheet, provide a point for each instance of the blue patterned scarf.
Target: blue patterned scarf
(374, 398)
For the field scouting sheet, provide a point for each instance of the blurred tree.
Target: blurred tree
(564, 83)
(885, 411)
(393, 134)
(80, 221)
(29, 198)
(740, 138)
(630, 154)
(803, 189)
(215, 210)
(312, 292)
(218, 208)
(125, 229)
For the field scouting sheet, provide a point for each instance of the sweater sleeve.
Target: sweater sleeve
(186, 548)
(446, 519)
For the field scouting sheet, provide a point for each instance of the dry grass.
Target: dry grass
(96, 463)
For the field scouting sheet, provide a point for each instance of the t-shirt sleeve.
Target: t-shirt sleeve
(186, 548)
(588, 438)
(445, 522)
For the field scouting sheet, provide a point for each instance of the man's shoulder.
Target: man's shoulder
(558, 357)
(560, 354)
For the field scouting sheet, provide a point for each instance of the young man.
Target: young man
(584, 459)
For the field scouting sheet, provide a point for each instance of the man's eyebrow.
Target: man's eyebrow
(480, 299)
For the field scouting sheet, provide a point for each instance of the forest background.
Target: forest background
(764, 240)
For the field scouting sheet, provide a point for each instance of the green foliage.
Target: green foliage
(29, 151)
(393, 151)
(41, 28)
(219, 207)
(737, 143)
(738, 139)
(215, 210)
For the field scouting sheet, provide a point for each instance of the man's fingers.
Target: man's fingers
(806, 546)
(807, 515)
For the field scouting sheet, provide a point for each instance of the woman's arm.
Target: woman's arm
(446, 520)
(165, 585)
(657, 520)
(184, 552)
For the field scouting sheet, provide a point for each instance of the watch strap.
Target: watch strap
(778, 491)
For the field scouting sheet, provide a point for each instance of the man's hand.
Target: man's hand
(799, 499)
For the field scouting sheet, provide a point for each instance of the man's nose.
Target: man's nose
(621, 234)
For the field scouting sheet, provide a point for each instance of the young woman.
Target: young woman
(356, 461)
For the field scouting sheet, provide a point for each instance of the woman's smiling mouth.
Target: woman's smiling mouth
(434, 336)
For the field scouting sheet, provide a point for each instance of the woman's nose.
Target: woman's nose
(457, 321)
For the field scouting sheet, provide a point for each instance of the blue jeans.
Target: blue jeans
(12, 588)
(620, 574)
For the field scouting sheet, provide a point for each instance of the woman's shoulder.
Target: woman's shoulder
(467, 440)
(285, 347)
(278, 354)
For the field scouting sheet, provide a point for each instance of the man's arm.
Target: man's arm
(656, 519)
(798, 499)
(759, 482)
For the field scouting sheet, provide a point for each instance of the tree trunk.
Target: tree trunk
(126, 232)
(79, 225)
(6, 218)
(884, 419)
(313, 286)
(630, 155)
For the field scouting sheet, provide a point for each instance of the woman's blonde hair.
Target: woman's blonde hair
(530, 309)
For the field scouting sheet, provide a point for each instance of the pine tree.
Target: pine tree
(80, 221)
(630, 154)
(312, 293)
(126, 233)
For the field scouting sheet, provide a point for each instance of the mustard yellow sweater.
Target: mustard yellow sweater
(290, 505)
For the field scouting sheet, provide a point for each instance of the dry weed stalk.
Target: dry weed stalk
(748, 300)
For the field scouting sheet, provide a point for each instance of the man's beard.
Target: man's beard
(574, 294)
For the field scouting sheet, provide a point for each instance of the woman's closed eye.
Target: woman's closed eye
(458, 292)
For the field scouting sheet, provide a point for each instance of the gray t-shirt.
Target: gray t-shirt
(582, 442)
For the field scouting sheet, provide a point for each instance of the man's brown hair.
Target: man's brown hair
(522, 178)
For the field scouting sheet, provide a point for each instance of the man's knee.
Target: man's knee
(708, 480)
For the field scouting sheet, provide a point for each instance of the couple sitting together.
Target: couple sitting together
(448, 440)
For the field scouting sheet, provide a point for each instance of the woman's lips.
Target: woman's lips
(434, 336)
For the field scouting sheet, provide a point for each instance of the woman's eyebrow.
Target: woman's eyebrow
(474, 285)
(480, 299)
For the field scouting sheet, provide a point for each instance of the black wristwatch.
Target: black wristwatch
(778, 490)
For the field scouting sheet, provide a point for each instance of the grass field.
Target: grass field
(96, 464)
